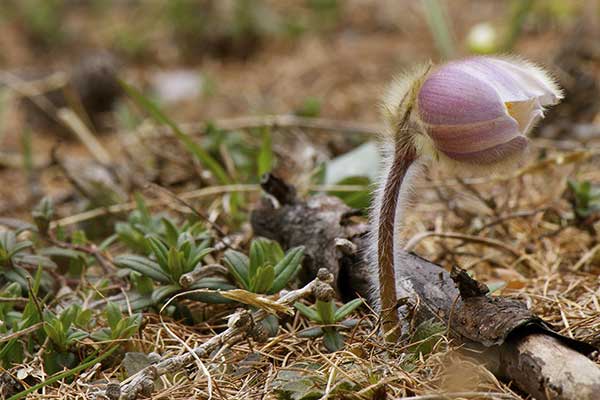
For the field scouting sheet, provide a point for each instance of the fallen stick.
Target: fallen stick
(521, 347)
(241, 325)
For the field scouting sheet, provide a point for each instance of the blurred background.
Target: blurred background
(217, 67)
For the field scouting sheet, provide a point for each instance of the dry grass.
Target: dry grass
(555, 270)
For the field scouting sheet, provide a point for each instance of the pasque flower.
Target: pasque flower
(475, 111)
(479, 110)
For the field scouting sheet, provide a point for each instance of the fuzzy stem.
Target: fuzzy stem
(404, 156)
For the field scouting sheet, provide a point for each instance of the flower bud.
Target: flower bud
(479, 110)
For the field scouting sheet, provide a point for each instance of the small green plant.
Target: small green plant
(331, 318)
(118, 327)
(172, 253)
(42, 215)
(585, 198)
(11, 250)
(64, 331)
(8, 315)
(14, 350)
(15, 255)
(267, 270)
(140, 223)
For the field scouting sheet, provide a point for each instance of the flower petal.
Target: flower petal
(451, 96)
(492, 155)
(474, 137)
(514, 80)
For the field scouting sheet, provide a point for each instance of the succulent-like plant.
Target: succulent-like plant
(64, 331)
(329, 316)
(174, 253)
(585, 198)
(268, 269)
(119, 327)
(474, 112)
(13, 350)
(15, 255)
(140, 223)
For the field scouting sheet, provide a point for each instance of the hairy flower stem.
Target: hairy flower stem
(404, 156)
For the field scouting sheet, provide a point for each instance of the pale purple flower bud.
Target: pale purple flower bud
(480, 109)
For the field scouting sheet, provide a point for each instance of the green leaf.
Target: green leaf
(313, 332)
(164, 291)
(287, 268)
(333, 340)
(18, 247)
(142, 283)
(175, 263)
(237, 263)
(36, 260)
(262, 281)
(326, 310)
(76, 335)
(55, 332)
(293, 257)
(130, 326)
(274, 252)
(17, 225)
(194, 148)
(308, 312)
(197, 257)
(265, 155)
(135, 301)
(346, 309)
(62, 252)
(141, 206)
(257, 256)
(160, 251)
(83, 318)
(142, 265)
(171, 232)
(101, 335)
(271, 325)
(7, 240)
(68, 315)
(113, 314)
